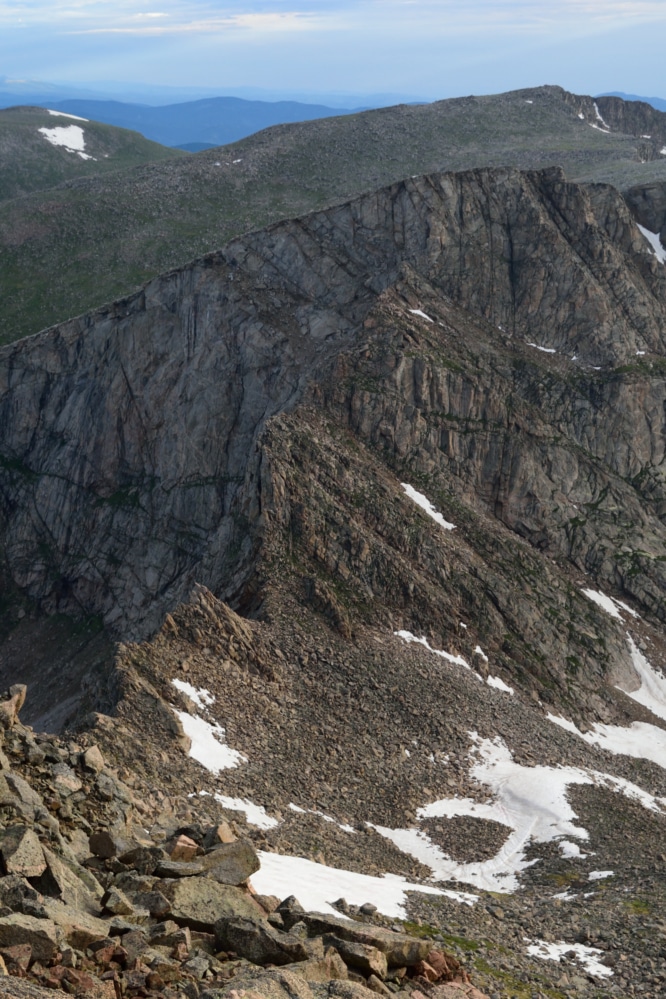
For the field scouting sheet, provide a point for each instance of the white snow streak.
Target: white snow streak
(609, 604)
(652, 691)
(426, 505)
(62, 114)
(256, 815)
(545, 350)
(419, 312)
(316, 886)
(208, 747)
(479, 651)
(599, 875)
(655, 243)
(327, 818)
(456, 660)
(588, 956)
(598, 116)
(202, 698)
(498, 683)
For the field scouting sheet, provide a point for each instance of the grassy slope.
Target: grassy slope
(69, 249)
(29, 162)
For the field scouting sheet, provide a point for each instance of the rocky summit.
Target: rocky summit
(335, 561)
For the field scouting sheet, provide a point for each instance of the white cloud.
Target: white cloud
(445, 18)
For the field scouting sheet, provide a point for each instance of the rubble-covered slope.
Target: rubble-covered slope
(374, 501)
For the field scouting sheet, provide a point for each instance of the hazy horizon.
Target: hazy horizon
(410, 49)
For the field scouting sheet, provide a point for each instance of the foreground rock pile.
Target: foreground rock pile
(94, 904)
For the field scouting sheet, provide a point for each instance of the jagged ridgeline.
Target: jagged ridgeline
(493, 338)
(69, 248)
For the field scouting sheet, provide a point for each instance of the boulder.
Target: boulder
(117, 902)
(16, 892)
(264, 984)
(41, 934)
(258, 941)
(80, 929)
(107, 843)
(182, 848)
(72, 883)
(321, 969)
(200, 902)
(218, 834)
(400, 949)
(9, 709)
(362, 956)
(23, 791)
(232, 863)
(22, 852)
(153, 902)
(179, 869)
(93, 759)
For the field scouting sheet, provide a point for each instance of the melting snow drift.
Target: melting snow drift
(530, 801)
(655, 242)
(316, 886)
(208, 747)
(426, 505)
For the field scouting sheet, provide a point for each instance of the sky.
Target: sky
(425, 48)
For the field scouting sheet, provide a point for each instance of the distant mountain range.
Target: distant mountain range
(657, 102)
(197, 125)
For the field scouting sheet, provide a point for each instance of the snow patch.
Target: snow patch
(655, 242)
(208, 747)
(62, 114)
(545, 350)
(587, 956)
(581, 115)
(316, 886)
(69, 136)
(652, 691)
(662, 151)
(639, 740)
(530, 801)
(598, 116)
(498, 683)
(609, 604)
(322, 815)
(479, 651)
(202, 698)
(456, 660)
(426, 505)
(256, 815)
(599, 875)
(419, 312)
(570, 850)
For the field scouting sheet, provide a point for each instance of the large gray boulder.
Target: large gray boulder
(199, 902)
(400, 950)
(232, 863)
(41, 934)
(258, 941)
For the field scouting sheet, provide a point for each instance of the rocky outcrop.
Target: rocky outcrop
(121, 906)
(132, 443)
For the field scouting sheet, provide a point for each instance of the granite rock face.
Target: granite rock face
(132, 441)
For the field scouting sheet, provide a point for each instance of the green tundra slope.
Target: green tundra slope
(71, 248)
(40, 148)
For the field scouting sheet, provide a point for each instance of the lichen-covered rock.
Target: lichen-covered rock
(41, 934)
(22, 852)
(199, 902)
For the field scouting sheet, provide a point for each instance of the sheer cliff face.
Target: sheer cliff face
(495, 337)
